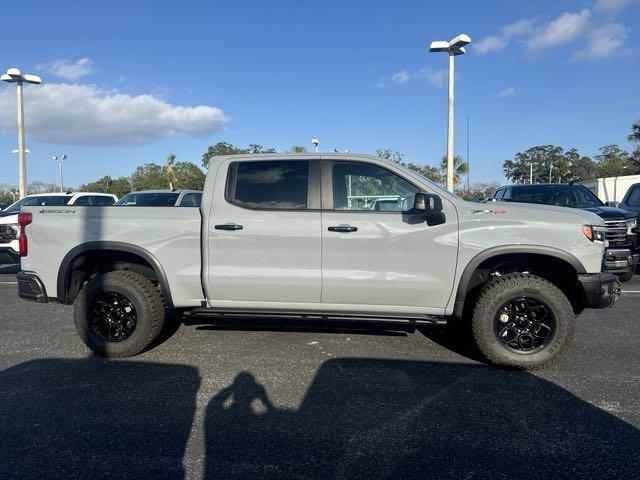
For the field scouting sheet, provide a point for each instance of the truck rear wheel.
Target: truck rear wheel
(522, 320)
(119, 314)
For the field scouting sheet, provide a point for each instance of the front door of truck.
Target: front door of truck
(375, 252)
(264, 234)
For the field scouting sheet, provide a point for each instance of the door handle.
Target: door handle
(228, 226)
(343, 228)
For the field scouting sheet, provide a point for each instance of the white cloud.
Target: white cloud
(68, 69)
(605, 41)
(611, 6)
(401, 77)
(434, 77)
(87, 115)
(507, 92)
(562, 30)
(492, 43)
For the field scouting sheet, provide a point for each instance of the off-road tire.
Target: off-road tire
(500, 290)
(142, 294)
(625, 277)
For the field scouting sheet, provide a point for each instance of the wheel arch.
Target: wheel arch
(134, 257)
(477, 270)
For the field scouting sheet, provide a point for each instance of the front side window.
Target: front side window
(634, 197)
(277, 184)
(366, 187)
(148, 199)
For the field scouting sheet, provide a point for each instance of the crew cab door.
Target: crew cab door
(376, 253)
(263, 234)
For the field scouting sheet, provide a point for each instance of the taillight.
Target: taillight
(24, 219)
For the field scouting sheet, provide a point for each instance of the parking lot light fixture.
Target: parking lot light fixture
(14, 75)
(453, 47)
(60, 159)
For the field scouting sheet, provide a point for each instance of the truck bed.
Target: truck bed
(169, 235)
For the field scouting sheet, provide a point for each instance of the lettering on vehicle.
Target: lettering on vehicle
(66, 211)
(488, 212)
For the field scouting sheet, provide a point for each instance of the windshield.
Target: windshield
(147, 199)
(574, 196)
(52, 200)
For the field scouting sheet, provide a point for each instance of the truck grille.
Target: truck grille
(616, 231)
(7, 234)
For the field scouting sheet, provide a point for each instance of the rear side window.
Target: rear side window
(191, 200)
(102, 200)
(499, 193)
(507, 194)
(634, 197)
(278, 184)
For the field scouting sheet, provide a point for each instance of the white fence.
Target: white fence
(611, 189)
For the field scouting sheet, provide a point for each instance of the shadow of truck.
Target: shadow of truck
(360, 418)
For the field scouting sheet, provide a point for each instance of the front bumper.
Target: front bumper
(8, 256)
(601, 290)
(619, 260)
(30, 287)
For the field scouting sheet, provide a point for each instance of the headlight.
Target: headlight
(631, 224)
(595, 233)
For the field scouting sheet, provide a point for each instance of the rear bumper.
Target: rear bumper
(8, 256)
(30, 287)
(601, 290)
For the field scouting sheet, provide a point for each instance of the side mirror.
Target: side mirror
(427, 203)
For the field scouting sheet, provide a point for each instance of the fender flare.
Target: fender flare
(64, 272)
(467, 274)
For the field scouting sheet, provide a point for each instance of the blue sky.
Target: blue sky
(129, 82)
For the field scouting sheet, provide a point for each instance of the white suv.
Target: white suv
(10, 231)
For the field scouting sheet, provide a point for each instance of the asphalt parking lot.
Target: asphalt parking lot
(296, 400)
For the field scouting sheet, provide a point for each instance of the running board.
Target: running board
(207, 312)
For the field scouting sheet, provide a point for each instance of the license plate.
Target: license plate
(618, 263)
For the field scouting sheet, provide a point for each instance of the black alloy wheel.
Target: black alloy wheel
(525, 325)
(112, 317)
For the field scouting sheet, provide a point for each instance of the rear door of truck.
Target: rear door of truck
(263, 233)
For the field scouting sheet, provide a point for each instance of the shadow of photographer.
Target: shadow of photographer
(360, 418)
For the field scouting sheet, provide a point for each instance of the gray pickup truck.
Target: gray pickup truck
(322, 236)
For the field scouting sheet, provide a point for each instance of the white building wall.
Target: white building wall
(611, 189)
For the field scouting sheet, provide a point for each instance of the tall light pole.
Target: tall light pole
(531, 164)
(60, 159)
(13, 75)
(453, 47)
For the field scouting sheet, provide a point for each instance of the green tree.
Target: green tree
(149, 176)
(460, 168)
(225, 148)
(549, 164)
(634, 136)
(188, 176)
(478, 191)
(612, 161)
(117, 186)
(581, 168)
(427, 171)
(298, 149)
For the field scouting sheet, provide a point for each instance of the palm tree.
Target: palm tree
(173, 181)
(459, 168)
(634, 136)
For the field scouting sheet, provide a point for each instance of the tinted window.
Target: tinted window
(102, 200)
(575, 196)
(499, 193)
(83, 201)
(191, 200)
(277, 184)
(507, 194)
(634, 197)
(45, 200)
(147, 199)
(362, 186)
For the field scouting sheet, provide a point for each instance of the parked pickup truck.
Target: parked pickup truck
(9, 228)
(277, 235)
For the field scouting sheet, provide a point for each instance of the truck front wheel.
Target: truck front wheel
(522, 320)
(118, 314)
